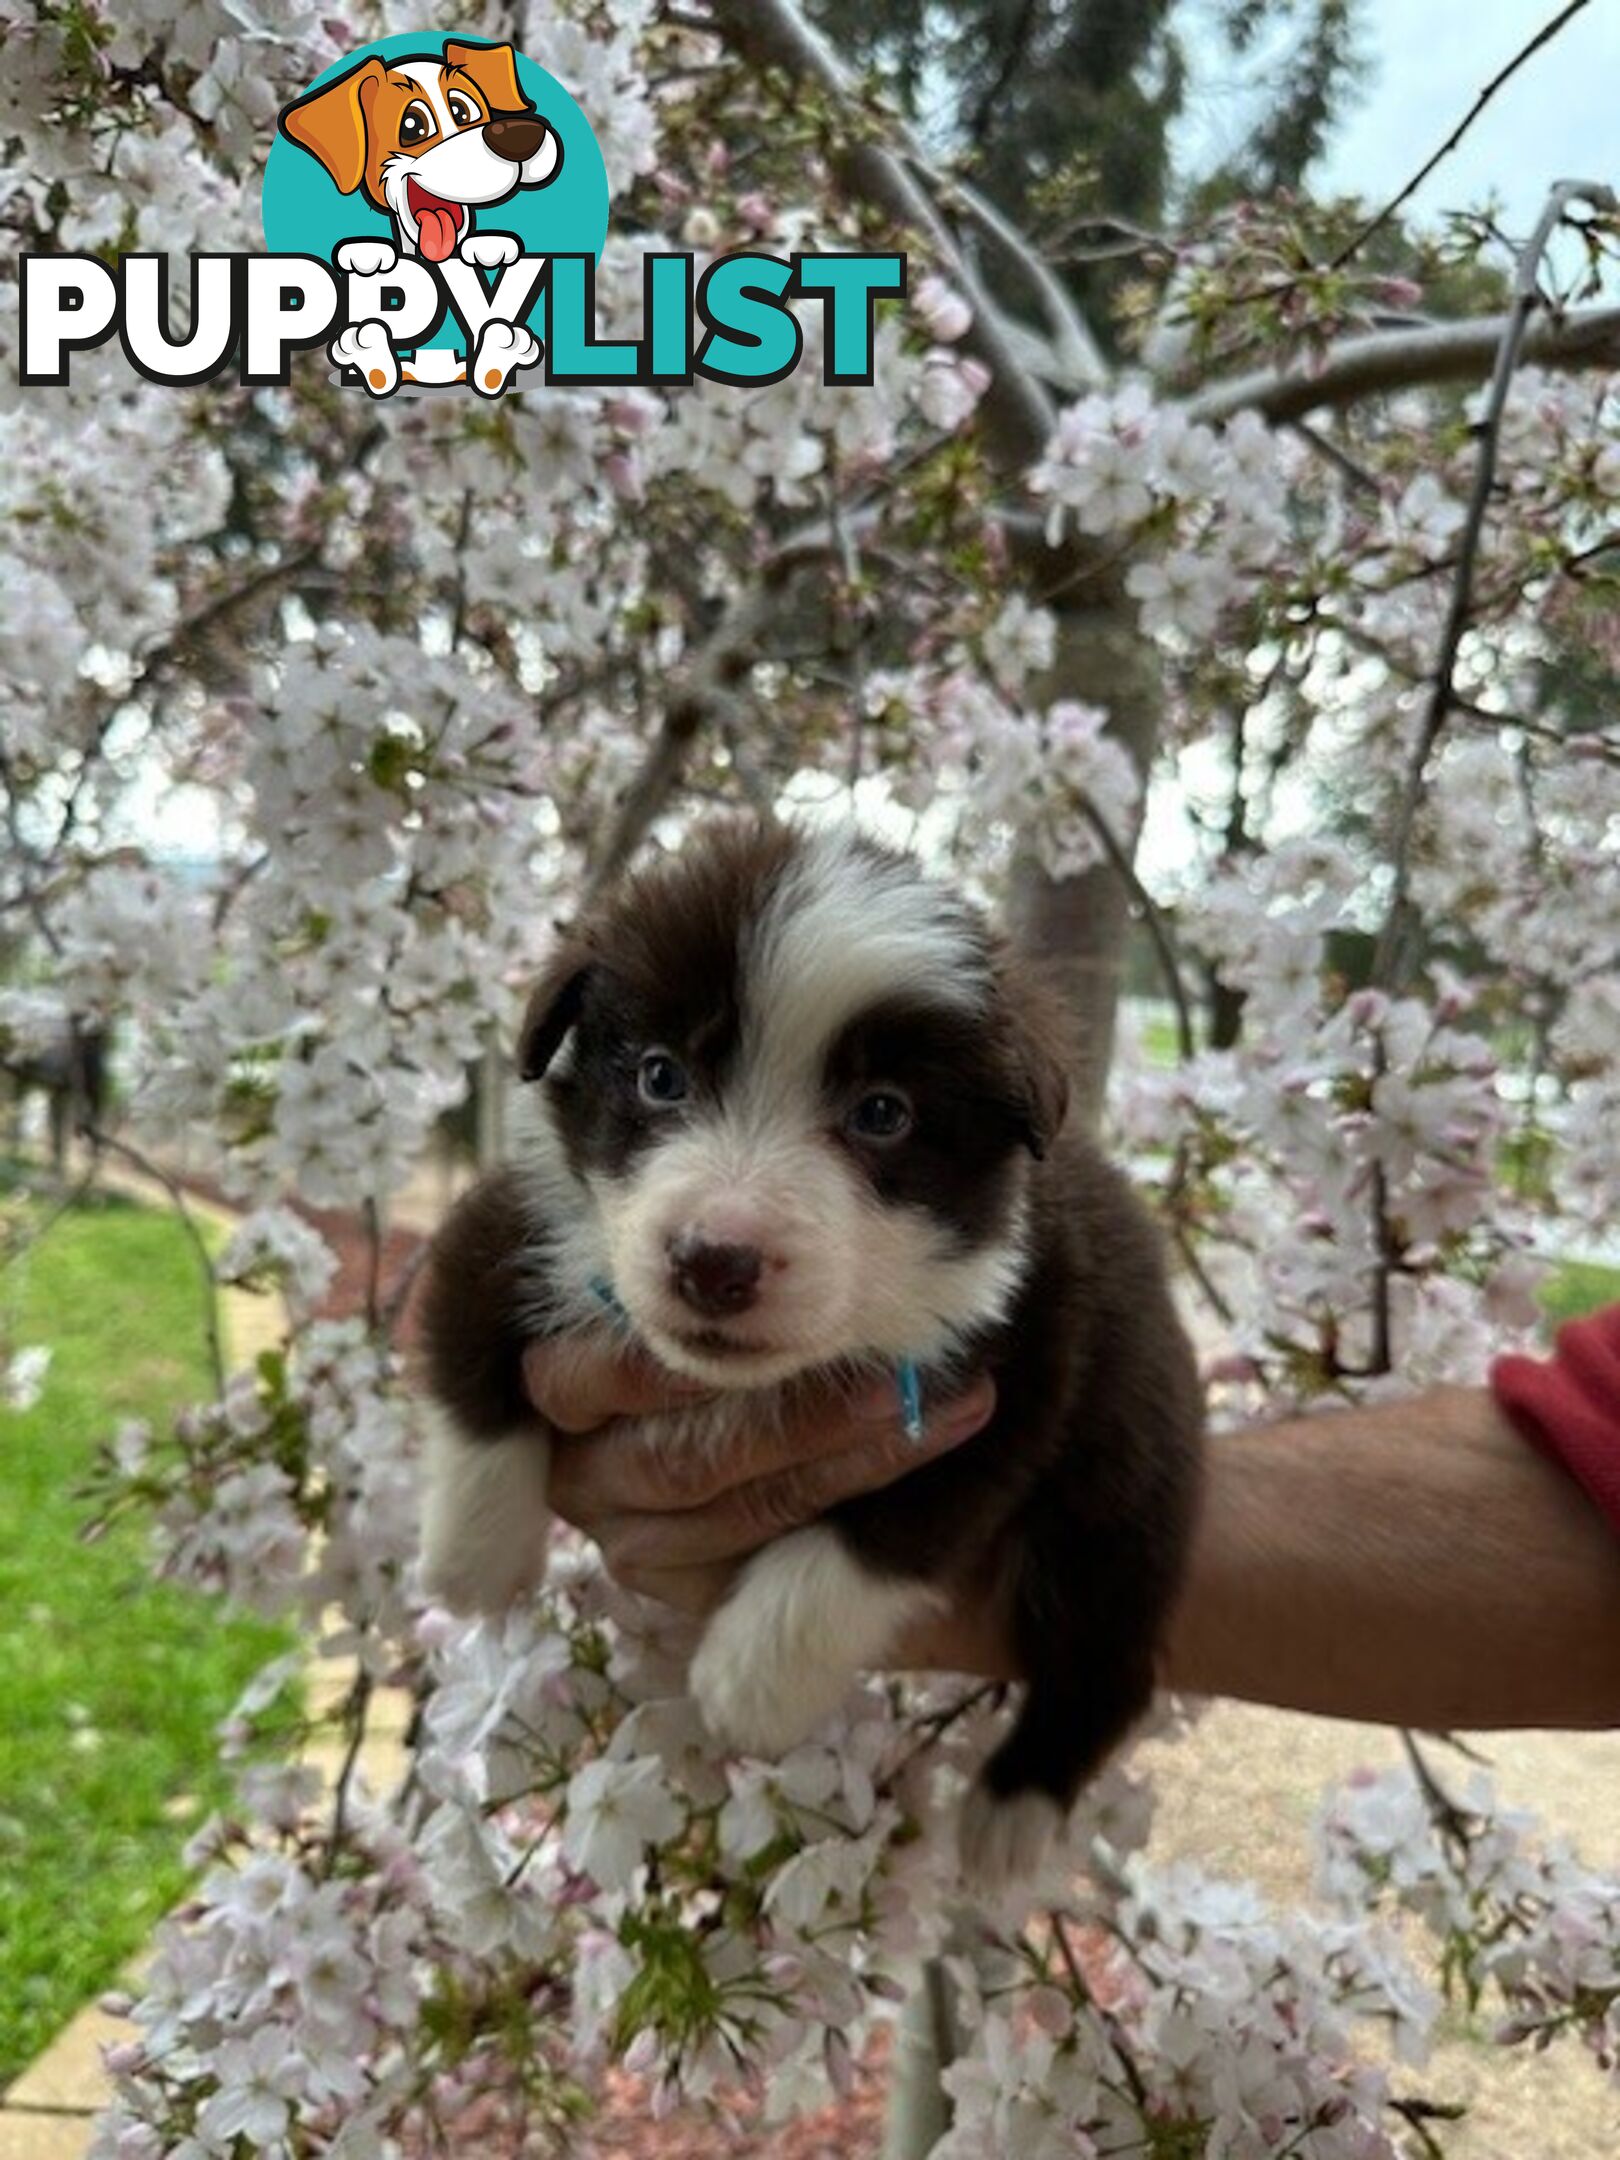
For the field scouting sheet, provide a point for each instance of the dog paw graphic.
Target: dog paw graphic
(365, 347)
(490, 250)
(366, 258)
(503, 347)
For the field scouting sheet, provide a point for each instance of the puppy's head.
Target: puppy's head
(429, 139)
(802, 1086)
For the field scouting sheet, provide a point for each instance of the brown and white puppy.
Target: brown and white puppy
(430, 139)
(802, 1119)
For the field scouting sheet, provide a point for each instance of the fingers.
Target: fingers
(626, 1470)
(639, 1534)
(695, 1591)
(578, 1382)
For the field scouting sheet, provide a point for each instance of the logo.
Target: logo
(435, 208)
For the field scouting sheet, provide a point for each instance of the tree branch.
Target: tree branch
(1544, 36)
(1017, 412)
(1361, 367)
(705, 689)
(1076, 361)
(1164, 943)
(1526, 297)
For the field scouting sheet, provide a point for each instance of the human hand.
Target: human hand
(676, 1527)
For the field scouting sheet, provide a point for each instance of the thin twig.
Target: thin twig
(1104, 2016)
(1544, 36)
(705, 689)
(1526, 298)
(1017, 412)
(188, 1222)
(399, 1291)
(1164, 943)
(1352, 470)
(371, 1217)
(355, 1707)
(1450, 1818)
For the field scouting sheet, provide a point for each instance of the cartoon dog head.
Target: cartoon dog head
(429, 139)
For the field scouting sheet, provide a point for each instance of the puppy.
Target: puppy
(802, 1120)
(430, 140)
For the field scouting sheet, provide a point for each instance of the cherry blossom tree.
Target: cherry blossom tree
(1323, 583)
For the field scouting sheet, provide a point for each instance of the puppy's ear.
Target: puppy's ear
(1047, 1097)
(493, 69)
(553, 1008)
(331, 123)
(1041, 1049)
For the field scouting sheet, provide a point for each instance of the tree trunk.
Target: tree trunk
(1080, 926)
(925, 2046)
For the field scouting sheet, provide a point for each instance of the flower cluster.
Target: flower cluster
(316, 716)
(1212, 503)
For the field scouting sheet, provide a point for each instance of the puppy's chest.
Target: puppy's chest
(708, 1436)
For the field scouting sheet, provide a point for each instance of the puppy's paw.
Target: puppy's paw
(485, 1522)
(365, 347)
(784, 1650)
(753, 1700)
(482, 1585)
(367, 258)
(503, 348)
(490, 250)
(1006, 1841)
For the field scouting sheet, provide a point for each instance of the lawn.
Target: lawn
(110, 1684)
(1579, 1287)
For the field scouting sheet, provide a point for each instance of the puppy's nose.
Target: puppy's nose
(714, 1278)
(516, 137)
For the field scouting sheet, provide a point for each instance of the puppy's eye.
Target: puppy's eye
(661, 1079)
(416, 126)
(882, 1115)
(462, 110)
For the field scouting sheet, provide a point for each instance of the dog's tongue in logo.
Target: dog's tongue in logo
(438, 223)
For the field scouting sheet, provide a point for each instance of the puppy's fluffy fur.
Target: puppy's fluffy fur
(802, 1118)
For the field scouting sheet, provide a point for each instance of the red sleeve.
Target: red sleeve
(1569, 1404)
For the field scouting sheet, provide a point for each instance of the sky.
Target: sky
(1559, 118)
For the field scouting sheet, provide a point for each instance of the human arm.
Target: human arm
(1409, 1562)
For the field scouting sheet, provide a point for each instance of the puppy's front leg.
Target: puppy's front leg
(805, 1619)
(485, 1520)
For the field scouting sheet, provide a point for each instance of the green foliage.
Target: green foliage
(1578, 1288)
(1064, 110)
(112, 1684)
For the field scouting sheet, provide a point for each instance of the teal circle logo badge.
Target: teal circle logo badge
(438, 174)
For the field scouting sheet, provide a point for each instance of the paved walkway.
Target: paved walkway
(46, 2113)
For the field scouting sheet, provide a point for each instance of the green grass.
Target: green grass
(110, 1684)
(1579, 1287)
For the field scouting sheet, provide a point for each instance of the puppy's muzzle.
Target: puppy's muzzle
(514, 137)
(714, 1278)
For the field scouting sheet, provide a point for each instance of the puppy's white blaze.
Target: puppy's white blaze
(1004, 1844)
(570, 1246)
(805, 1215)
(845, 929)
(781, 1654)
(484, 1518)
